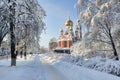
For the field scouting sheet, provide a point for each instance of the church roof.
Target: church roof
(53, 40)
(69, 22)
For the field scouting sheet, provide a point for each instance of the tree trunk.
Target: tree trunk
(12, 35)
(114, 48)
(0, 43)
(13, 55)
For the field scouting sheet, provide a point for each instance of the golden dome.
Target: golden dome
(69, 23)
(61, 30)
(78, 20)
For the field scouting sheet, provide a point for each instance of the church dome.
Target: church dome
(69, 23)
(78, 20)
(61, 30)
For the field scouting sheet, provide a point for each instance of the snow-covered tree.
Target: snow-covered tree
(4, 28)
(104, 22)
(103, 19)
(21, 15)
(31, 21)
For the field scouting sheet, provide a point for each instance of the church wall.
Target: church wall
(59, 44)
(62, 44)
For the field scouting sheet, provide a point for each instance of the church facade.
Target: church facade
(69, 36)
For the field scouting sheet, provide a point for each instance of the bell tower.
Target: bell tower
(78, 31)
(69, 25)
(61, 32)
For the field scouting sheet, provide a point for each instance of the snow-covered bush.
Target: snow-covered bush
(73, 59)
(88, 50)
(103, 65)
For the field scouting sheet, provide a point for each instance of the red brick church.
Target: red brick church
(68, 37)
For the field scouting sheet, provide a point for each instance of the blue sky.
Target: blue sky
(57, 13)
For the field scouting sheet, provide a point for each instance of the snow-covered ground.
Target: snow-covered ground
(102, 64)
(44, 67)
(25, 70)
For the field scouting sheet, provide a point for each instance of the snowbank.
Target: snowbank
(103, 65)
(73, 72)
(25, 70)
(97, 63)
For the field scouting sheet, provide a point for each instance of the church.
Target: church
(69, 36)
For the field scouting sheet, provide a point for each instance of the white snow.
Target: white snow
(73, 72)
(25, 70)
(44, 67)
(79, 73)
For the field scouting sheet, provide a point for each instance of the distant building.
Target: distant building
(43, 50)
(52, 44)
(4, 48)
(67, 38)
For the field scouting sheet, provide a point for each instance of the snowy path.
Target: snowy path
(30, 69)
(51, 72)
(43, 67)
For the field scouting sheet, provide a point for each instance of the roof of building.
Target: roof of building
(64, 37)
(69, 22)
(53, 40)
